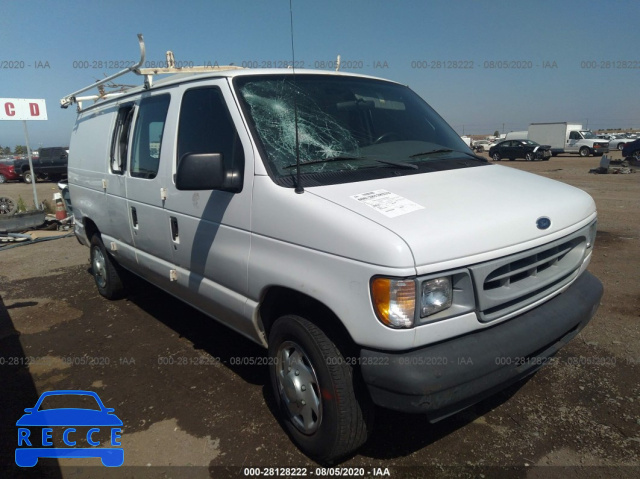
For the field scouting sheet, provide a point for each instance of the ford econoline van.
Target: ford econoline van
(340, 222)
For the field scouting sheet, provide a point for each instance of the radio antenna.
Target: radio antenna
(299, 189)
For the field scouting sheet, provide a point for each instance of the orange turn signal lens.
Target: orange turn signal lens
(394, 301)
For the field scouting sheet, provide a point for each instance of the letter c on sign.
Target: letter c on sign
(90, 438)
(34, 109)
(9, 109)
(65, 437)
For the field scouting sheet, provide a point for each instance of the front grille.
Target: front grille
(508, 284)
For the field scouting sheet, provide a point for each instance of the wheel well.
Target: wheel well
(90, 228)
(279, 301)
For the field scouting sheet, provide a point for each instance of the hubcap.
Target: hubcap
(299, 387)
(98, 267)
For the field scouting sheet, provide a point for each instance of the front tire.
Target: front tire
(584, 151)
(3, 179)
(529, 157)
(105, 272)
(316, 391)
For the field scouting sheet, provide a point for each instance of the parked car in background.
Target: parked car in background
(51, 164)
(618, 142)
(481, 145)
(632, 149)
(527, 149)
(8, 171)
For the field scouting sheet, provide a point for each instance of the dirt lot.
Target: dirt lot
(190, 410)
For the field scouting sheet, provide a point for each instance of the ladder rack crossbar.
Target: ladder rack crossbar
(147, 73)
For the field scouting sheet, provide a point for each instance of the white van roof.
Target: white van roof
(180, 75)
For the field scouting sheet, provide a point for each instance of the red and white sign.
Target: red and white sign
(22, 109)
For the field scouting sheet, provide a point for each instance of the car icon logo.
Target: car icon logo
(543, 223)
(37, 427)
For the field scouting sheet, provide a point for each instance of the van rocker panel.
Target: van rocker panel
(444, 378)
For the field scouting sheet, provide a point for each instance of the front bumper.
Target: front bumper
(600, 149)
(444, 378)
(543, 154)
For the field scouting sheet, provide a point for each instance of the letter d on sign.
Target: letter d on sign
(23, 109)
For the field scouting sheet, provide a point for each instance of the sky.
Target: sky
(483, 65)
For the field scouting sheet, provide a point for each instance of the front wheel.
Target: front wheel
(584, 151)
(529, 157)
(316, 391)
(105, 272)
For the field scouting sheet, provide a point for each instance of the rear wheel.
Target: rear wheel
(26, 177)
(496, 157)
(621, 146)
(105, 271)
(636, 154)
(316, 391)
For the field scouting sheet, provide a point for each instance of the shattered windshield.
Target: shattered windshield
(343, 124)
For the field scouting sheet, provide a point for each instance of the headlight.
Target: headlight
(437, 295)
(394, 301)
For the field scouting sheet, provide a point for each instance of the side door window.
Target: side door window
(120, 140)
(147, 136)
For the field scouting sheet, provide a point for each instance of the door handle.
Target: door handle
(175, 233)
(134, 217)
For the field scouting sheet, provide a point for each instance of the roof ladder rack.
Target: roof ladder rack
(148, 74)
(73, 97)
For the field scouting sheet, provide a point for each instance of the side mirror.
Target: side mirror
(206, 171)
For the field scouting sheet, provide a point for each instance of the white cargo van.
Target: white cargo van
(338, 221)
(566, 137)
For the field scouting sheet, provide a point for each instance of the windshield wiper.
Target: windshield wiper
(351, 158)
(448, 150)
(431, 152)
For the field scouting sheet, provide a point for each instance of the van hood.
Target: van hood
(458, 214)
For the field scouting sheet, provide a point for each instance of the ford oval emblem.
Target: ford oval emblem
(543, 223)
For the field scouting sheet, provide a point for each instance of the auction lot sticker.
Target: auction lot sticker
(387, 203)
